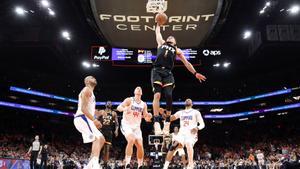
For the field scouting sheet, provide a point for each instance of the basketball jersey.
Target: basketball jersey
(107, 121)
(166, 55)
(36, 146)
(90, 107)
(174, 136)
(188, 119)
(134, 118)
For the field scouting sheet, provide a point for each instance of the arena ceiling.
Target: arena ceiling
(33, 53)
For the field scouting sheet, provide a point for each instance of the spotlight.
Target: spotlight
(262, 11)
(247, 34)
(216, 110)
(20, 11)
(95, 65)
(226, 64)
(243, 119)
(66, 35)
(86, 64)
(294, 9)
(45, 3)
(217, 65)
(51, 12)
(268, 3)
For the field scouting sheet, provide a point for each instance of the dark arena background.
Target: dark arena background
(247, 49)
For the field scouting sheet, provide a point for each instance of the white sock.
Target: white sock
(166, 164)
(89, 164)
(166, 129)
(127, 160)
(140, 162)
(190, 166)
(157, 128)
(95, 161)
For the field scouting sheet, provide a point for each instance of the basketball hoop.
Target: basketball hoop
(156, 6)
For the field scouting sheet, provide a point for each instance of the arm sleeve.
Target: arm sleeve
(177, 114)
(200, 121)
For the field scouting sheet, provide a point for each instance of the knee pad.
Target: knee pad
(156, 118)
(168, 118)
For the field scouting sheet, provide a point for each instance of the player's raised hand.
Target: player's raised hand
(97, 124)
(200, 77)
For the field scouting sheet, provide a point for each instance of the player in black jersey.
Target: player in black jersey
(110, 123)
(162, 78)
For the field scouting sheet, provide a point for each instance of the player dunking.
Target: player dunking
(85, 122)
(134, 109)
(108, 119)
(162, 77)
(188, 132)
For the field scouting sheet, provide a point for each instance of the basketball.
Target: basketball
(161, 18)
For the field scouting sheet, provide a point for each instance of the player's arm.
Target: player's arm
(86, 94)
(175, 116)
(200, 121)
(116, 123)
(159, 38)
(29, 150)
(147, 115)
(124, 105)
(41, 147)
(189, 66)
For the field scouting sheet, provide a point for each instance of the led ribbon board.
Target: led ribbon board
(207, 116)
(127, 24)
(249, 113)
(197, 103)
(34, 108)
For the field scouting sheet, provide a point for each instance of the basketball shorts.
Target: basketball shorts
(164, 77)
(185, 138)
(180, 152)
(87, 128)
(127, 130)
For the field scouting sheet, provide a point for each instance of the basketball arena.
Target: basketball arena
(178, 84)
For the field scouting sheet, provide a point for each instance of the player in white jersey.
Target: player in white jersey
(180, 149)
(188, 132)
(134, 109)
(85, 122)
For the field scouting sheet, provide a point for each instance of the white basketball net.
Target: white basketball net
(156, 6)
(156, 145)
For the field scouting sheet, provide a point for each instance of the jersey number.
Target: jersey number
(106, 121)
(166, 53)
(136, 114)
(186, 123)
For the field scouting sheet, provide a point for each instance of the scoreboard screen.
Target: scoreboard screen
(138, 57)
(132, 57)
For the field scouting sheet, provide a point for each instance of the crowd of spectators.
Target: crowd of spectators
(267, 143)
(275, 154)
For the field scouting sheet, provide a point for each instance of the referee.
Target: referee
(35, 151)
